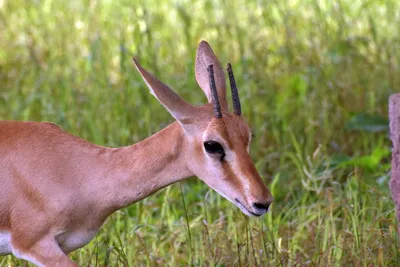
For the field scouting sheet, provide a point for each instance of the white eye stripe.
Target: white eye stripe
(242, 178)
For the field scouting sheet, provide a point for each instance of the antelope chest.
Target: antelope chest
(72, 240)
(68, 241)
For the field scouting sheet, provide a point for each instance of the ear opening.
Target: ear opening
(205, 57)
(179, 108)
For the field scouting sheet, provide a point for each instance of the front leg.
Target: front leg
(45, 252)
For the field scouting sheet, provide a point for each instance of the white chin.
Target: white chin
(244, 210)
(239, 205)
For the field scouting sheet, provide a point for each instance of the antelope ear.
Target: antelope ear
(179, 108)
(205, 57)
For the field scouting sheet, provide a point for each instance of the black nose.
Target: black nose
(261, 206)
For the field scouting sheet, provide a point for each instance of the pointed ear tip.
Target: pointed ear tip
(137, 65)
(203, 45)
(135, 61)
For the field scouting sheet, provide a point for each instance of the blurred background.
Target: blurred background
(314, 79)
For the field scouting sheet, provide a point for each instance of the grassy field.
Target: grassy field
(314, 80)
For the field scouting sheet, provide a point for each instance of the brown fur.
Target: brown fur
(54, 186)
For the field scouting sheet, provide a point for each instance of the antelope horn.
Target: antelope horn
(214, 94)
(235, 95)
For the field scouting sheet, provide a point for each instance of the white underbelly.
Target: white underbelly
(5, 243)
(70, 241)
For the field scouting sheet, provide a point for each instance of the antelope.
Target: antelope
(56, 189)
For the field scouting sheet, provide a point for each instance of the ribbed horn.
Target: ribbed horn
(235, 95)
(214, 94)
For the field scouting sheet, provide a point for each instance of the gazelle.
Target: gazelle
(56, 189)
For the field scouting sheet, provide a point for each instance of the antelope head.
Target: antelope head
(216, 142)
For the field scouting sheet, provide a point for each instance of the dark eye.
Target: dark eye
(213, 147)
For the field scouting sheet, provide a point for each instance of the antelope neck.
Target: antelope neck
(135, 172)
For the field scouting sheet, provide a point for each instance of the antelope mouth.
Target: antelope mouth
(246, 210)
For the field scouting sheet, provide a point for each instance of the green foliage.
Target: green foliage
(309, 72)
(368, 123)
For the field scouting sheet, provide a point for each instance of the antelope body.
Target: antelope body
(56, 189)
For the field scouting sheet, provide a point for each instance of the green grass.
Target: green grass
(314, 77)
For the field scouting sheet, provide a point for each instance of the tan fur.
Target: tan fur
(57, 189)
